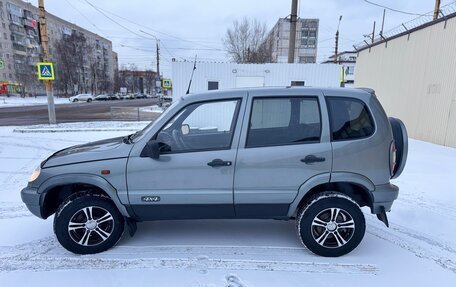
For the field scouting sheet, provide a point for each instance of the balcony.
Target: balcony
(30, 23)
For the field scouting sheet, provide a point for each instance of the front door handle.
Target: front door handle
(219, 162)
(312, 158)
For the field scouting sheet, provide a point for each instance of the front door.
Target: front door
(193, 177)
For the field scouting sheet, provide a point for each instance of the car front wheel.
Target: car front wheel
(88, 224)
(331, 224)
(89, 100)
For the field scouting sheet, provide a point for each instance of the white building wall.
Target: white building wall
(415, 79)
(231, 75)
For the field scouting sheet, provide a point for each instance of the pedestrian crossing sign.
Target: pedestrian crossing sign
(45, 71)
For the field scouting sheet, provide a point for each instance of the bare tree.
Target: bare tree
(246, 42)
(71, 57)
(26, 75)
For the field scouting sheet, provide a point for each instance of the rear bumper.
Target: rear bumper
(383, 197)
(31, 198)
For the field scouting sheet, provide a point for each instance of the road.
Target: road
(71, 112)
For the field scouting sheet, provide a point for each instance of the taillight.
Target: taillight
(392, 158)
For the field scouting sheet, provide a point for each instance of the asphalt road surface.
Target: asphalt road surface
(65, 113)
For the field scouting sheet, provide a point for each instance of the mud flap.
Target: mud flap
(131, 226)
(382, 216)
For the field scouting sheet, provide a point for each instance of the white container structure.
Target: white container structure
(212, 76)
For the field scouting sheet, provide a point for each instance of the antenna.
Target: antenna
(191, 77)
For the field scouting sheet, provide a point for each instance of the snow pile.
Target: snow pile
(102, 126)
(14, 101)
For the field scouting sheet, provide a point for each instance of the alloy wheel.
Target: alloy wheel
(91, 226)
(332, 227)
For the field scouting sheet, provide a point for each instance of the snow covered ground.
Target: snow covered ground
(418, 250)
(14, 101)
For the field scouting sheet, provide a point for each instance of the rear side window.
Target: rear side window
(284, 121)
(350, 119)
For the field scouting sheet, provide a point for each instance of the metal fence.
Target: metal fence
(132, 114)
(409, 25)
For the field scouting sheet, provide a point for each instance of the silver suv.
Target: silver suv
(308, 154)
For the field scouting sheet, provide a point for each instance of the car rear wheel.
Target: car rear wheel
(88, 224)
(89, 100)
(331, 224)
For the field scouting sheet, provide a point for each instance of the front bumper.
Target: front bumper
(383, 197)
(31, 198)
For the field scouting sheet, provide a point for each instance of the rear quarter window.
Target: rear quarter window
(350, 119)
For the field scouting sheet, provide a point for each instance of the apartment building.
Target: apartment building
(20, 51)
(306, 40)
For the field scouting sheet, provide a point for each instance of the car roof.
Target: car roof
(360, 93)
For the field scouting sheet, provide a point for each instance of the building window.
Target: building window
(212, 85)
(350, 70)
(308, 37)
(307, 59)
(298, 83)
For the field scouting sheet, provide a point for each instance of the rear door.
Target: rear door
(281, 147)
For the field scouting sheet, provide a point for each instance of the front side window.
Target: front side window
(200, 126)
(283, 121)
(350, 119)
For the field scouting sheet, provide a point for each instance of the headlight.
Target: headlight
(35, 174)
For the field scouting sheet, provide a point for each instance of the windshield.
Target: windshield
(146, 129)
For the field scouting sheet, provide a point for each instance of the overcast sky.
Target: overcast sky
(186, 28)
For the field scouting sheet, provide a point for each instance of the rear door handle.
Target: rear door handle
(219, 162)
(312, 158)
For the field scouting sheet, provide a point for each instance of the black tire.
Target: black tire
(400, 137)
(75, 100)
(325, 205)
(74, 210)
(89, 100)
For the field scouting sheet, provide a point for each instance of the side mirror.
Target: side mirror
(152, 150)
(185, 129)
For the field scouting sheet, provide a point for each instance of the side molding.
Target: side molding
(82, 178)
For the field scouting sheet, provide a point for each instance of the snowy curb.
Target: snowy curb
(50, 130)
(106, 126)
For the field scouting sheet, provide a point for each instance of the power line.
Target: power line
(394, 10)
(114, 21)
(85, 17)
(146, 27)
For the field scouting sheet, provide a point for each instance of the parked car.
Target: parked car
(82, 98)
(102, 98)
(141, 96)
(311, 155)
(114, 97)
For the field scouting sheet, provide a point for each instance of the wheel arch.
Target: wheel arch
(359, 191)
(56, 189)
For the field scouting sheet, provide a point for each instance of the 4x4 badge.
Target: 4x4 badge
(150, 198)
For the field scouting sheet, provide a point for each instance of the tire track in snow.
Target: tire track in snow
(12, 210)
(47, 255)
(419, 244)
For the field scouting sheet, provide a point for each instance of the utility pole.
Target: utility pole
(293, 19)
(436, 9)
(336, 48)
(158, 57)
(45, 55)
